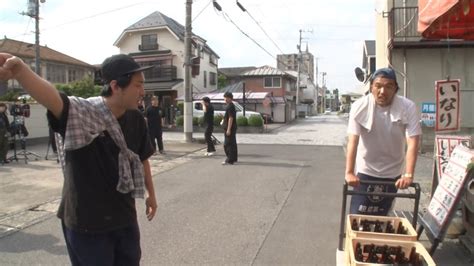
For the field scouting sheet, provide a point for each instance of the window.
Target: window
(212, 78)
(75, 74)
(272, 82)
(149, 42)
(55, 73)
(205, 79)
(212, 59)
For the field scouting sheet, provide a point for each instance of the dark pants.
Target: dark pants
(372, 205)
(3, 144)
(118, 247)
(208, 136)
(230, 147)
(157, 134)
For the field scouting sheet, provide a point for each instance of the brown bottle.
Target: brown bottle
(389, 228)
(401, 229)
(378, 227)
(354, 225)
(358, 253)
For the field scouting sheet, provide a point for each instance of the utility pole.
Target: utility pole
(188, 101)
(243, 97)
(317, 84)
(323, 107)
(33, 12)
(298, 75)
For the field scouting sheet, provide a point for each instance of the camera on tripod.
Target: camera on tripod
(19, 113)
(20, 109)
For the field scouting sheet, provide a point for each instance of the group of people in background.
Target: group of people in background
(106, 151)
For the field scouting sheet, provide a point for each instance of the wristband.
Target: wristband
(407, 175)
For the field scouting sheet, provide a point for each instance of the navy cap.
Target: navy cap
(385, 72)
(120, 65)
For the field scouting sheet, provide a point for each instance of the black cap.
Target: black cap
(206, 99)
(228, 94)
(120, 65)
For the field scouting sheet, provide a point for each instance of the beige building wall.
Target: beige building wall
(168, 41)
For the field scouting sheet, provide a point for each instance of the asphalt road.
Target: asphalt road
(279, 205)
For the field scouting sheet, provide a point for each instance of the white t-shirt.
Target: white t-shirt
(381, 151)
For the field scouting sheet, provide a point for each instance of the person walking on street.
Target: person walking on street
(230, 129)
(209, 122)
(4, 133)
(380, 125)
(104, 155)
(154, 117)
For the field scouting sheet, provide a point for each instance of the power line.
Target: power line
(226, 17)
(200, 12)
(258, 24)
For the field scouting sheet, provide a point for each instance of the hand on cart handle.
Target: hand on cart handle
(352, 180)
(411, 184)
(404, 182)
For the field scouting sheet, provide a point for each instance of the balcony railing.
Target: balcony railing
(148, 47)
(403, 24)
(403, 31)
(161, 73)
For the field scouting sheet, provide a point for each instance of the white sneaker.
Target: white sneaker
(206, 154)
(210, 153)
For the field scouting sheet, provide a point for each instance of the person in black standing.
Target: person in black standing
(209, 122)
(230, 129)
(4, 131)
(154, 118)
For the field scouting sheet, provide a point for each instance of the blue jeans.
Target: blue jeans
(372, 205)
(117, 247)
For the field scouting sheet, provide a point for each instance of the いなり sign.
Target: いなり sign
(447, 105)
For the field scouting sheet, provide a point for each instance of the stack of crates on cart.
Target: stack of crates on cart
(383, 240)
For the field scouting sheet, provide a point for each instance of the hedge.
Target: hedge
(255, 121)
(242, 121)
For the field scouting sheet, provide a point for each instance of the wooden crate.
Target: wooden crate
(410, 236)
(406, 247)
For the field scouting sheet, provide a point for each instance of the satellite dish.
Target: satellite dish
(360, 74)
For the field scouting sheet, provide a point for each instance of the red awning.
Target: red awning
(446, 19)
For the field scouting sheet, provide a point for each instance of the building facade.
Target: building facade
(290, 62)
(55, 66)
(159, 40)
(419, 62)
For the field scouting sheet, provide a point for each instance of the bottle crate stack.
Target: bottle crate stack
(383, 240)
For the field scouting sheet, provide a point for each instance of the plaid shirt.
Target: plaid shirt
(87, 119)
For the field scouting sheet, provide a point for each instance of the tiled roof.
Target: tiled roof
(27, 50)
(235, 71)
(265, 71)
(157, 19)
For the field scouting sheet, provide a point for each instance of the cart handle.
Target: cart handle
(346, 191)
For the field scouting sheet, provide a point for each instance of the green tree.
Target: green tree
(84, 88)
(221, 81)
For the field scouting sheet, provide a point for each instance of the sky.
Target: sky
(334, 31)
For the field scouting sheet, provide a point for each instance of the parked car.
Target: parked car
(219, 109)
(328, 111)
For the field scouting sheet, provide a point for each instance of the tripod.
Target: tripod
(18, 132)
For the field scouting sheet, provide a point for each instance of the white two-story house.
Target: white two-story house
(159, 40)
